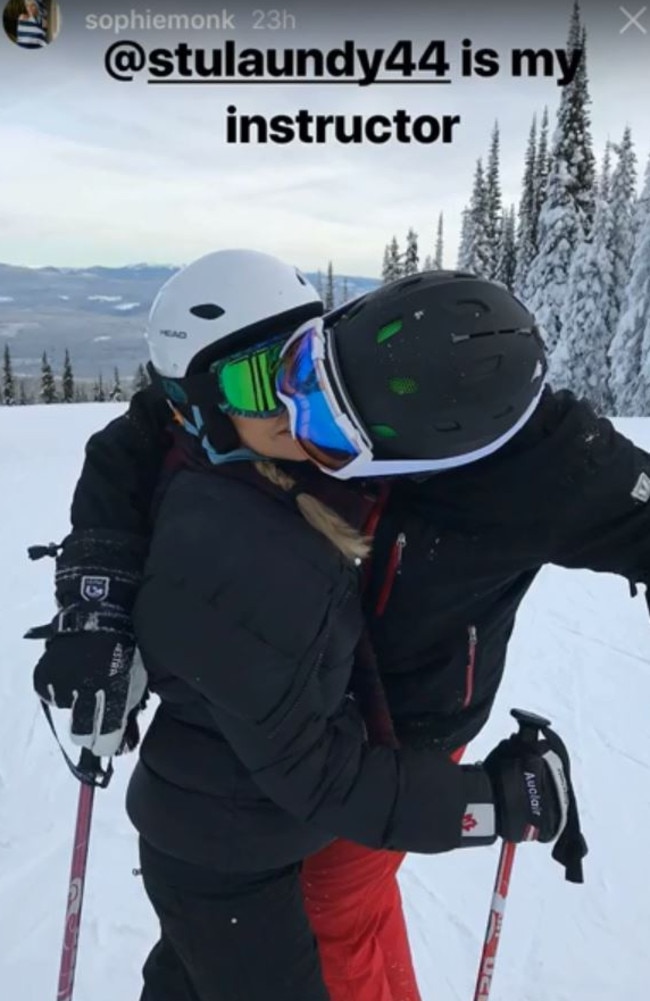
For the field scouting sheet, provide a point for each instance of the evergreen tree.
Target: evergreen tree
(477, 256)
(584, 160)
(392, 266)
(116, 394)
(440, 246)
(507, 257)
(80, 393)
(542, 170)
(567, 211)
(23, 398)
(623, 201)
(465, 238)
(8, 382)
(429, 263)
(581, 359)
(345, 291)
(99, 394)
(385, 265)
(604, 184)
(48, 385)
(493, 203)
(411, 258)
(640, 212)
(141, 379)
(67, 382)
(330, 292)
(548, 276)
(526, 235)
(630, 350)
(572, 141)
(397, 265)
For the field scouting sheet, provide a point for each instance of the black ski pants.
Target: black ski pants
(228, 936)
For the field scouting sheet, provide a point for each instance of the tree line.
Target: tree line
(21, 391)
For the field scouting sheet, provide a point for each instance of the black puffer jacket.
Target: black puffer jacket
(247, 621)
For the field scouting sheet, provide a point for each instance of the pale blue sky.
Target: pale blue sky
(96, 171)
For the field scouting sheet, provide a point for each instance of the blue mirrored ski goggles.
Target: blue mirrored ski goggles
(320, 419)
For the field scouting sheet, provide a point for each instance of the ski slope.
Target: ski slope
(580, 654)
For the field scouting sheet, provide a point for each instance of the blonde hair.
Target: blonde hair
(351, 543)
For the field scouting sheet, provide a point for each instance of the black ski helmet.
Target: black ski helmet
(438, 365)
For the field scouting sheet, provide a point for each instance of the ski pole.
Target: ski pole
(529, 726)
(91, 766)
(90, 774)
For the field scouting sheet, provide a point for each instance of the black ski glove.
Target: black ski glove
(530, 790)
(90, 663)
(532, 798)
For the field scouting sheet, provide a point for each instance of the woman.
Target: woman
(251, 632)
(31, 28)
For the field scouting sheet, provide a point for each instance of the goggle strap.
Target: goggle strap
(189, 390)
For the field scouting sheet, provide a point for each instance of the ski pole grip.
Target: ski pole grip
(530, 724)
(90, 771)
(89, 762)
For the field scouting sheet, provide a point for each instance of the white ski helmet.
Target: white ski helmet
(223, 303)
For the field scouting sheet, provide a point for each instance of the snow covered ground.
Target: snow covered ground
(580, 654)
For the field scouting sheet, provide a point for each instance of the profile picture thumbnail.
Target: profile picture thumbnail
(31, 24)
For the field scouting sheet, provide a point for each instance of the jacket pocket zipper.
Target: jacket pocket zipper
(394, 568)
(472, 642)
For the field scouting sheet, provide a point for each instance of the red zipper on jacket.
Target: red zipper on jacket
(370, 529)
(394, 567)
(472, 643)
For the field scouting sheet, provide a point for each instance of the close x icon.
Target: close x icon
(633, 20)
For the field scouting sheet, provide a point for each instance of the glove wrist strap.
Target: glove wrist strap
(571, 847)
(89, 769)
(102, 618)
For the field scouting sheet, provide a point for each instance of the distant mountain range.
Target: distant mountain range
(97, 313)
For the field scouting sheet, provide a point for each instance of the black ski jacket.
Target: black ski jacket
(454, 553)
(248, 621)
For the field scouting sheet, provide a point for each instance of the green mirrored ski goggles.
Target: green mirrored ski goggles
(246, 381)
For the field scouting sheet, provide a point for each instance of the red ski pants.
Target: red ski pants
(355, 909)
